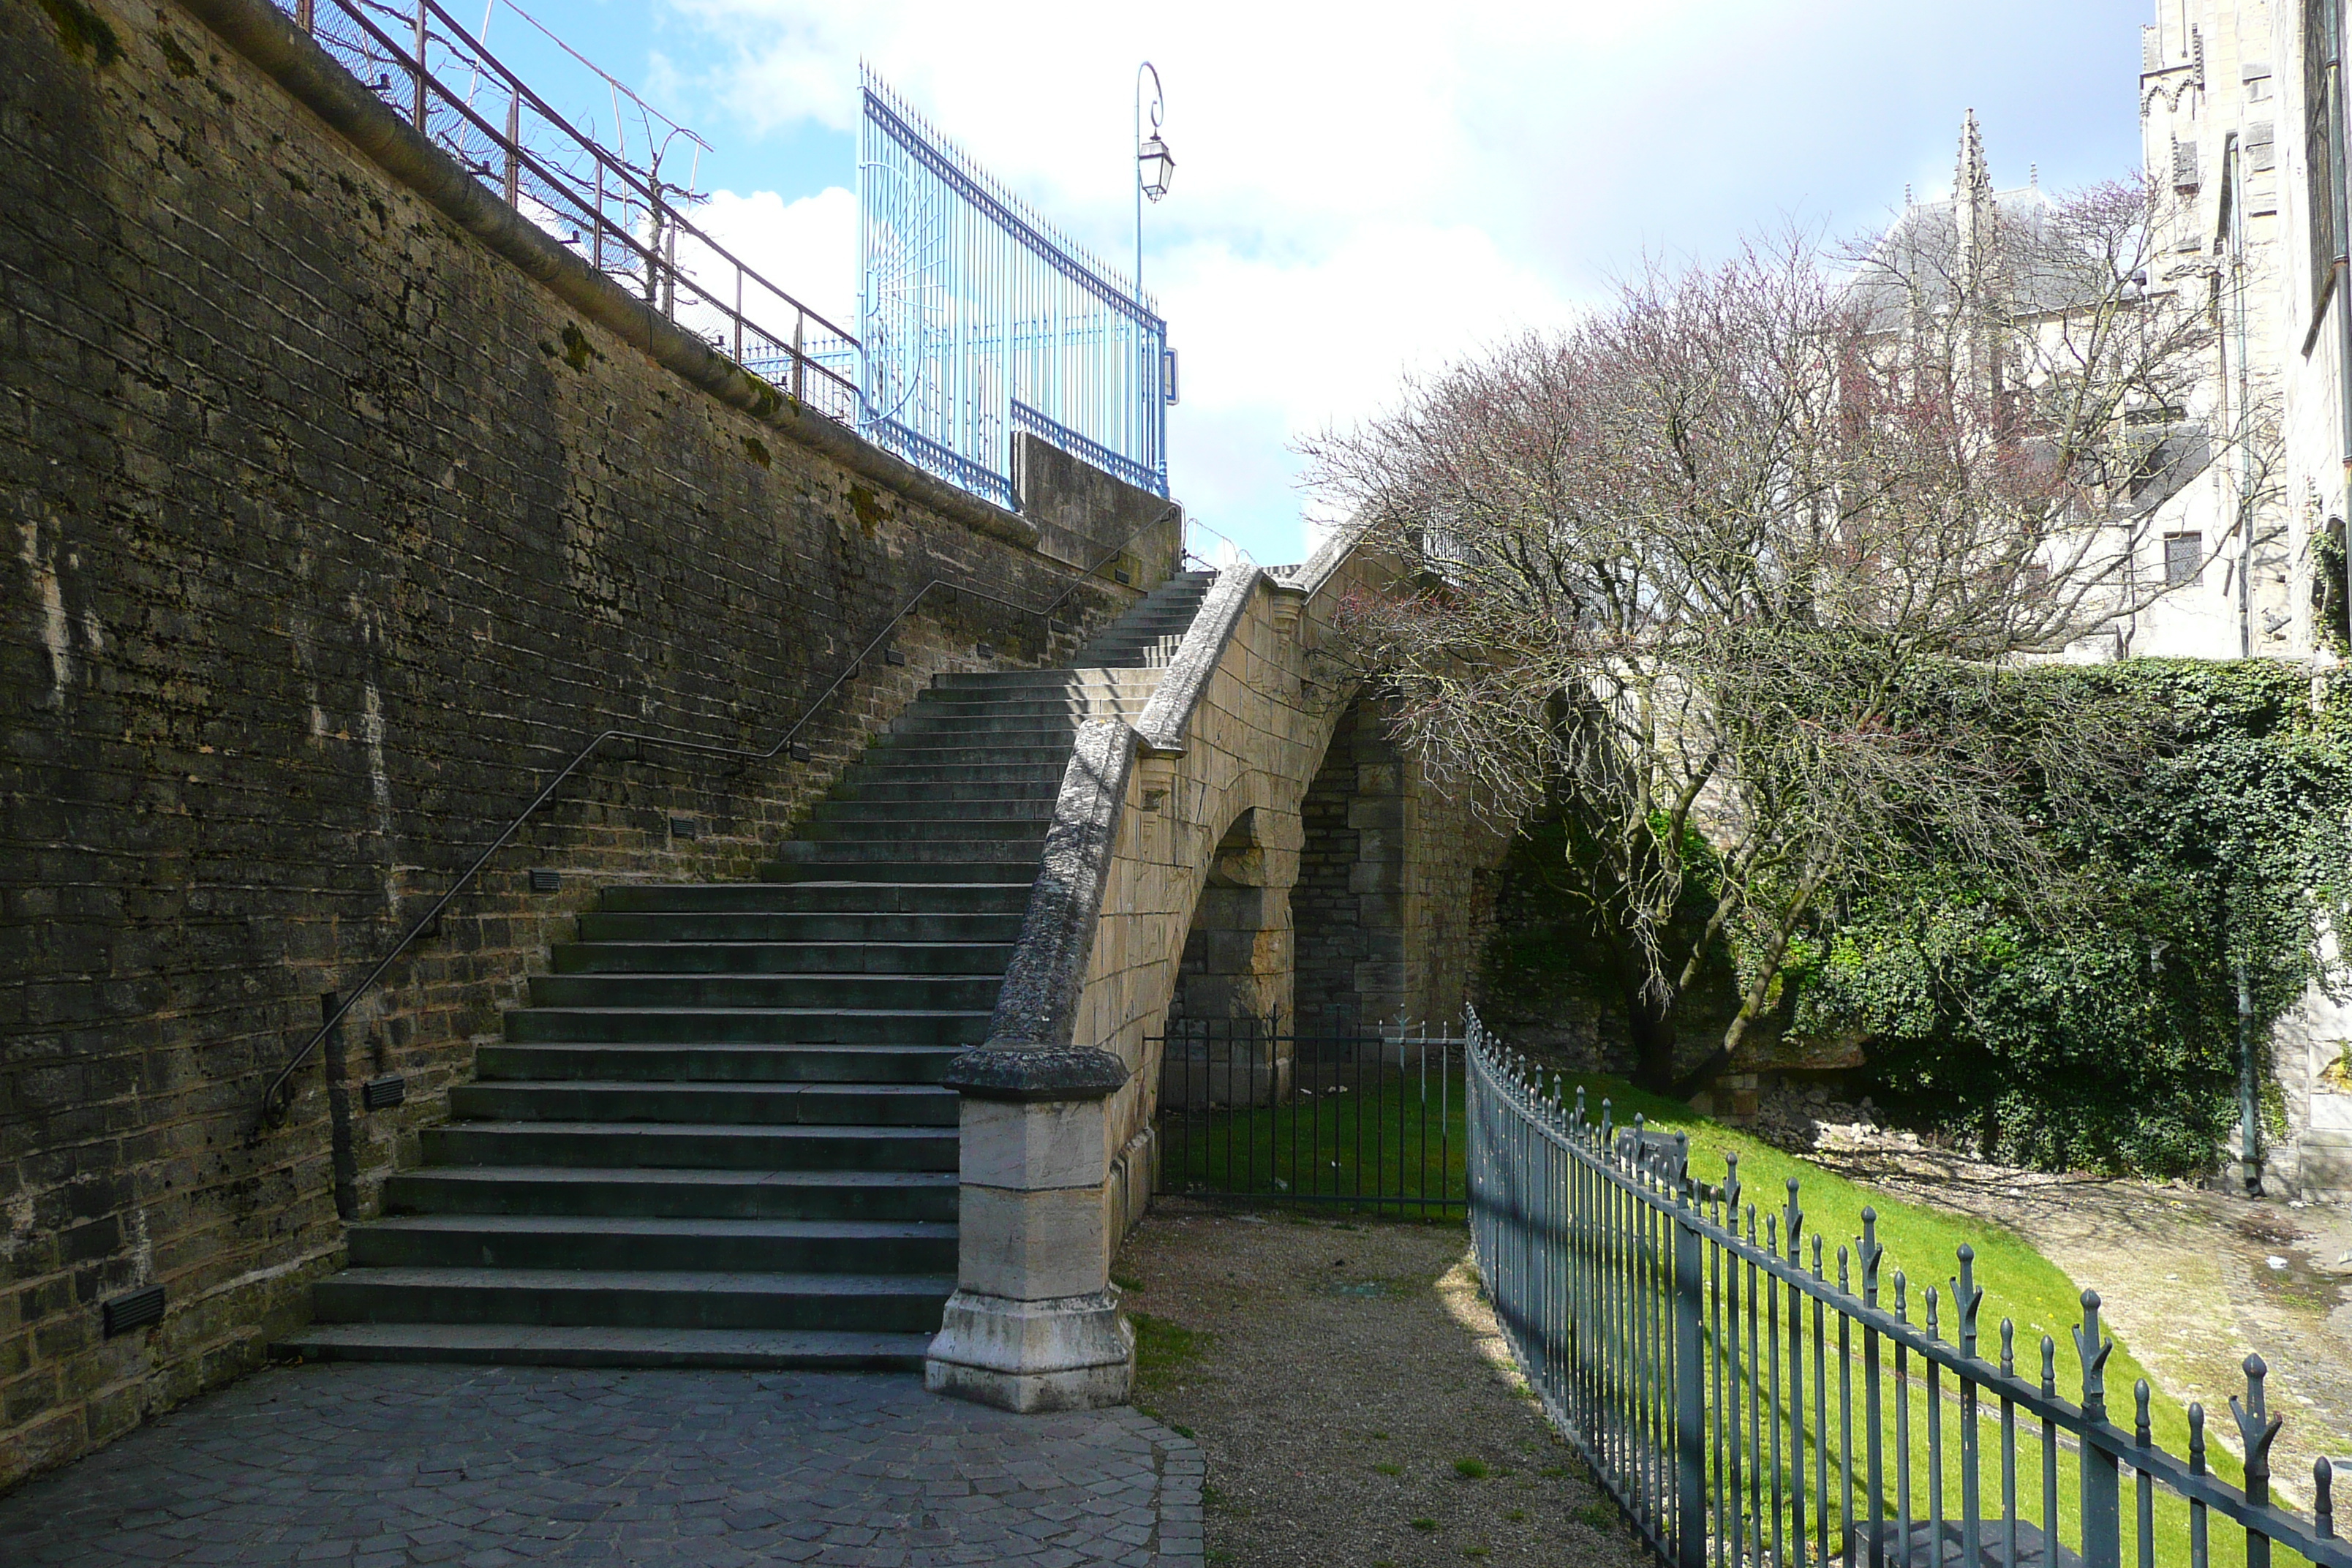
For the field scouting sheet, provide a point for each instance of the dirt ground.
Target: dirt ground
(2192, 1279)
(1355, 1403)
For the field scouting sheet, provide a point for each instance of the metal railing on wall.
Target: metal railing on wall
(621, 214)
(1742, 1407)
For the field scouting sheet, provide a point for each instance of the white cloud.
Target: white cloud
(807, 248)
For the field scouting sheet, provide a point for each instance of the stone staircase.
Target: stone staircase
(717, 1137)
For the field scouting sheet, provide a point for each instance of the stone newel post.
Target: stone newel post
(1035, 1324)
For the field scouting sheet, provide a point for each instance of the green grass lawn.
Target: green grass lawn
(1322, 1147)
(1360, 1136)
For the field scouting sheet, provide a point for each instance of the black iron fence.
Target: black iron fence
(1372, 1119)
(1742, 1407)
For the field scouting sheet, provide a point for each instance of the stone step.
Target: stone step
(767, 1026)
(713, 1063)
(800, 925)
(1023, 846)
(513, 1344)
(920, 803)
(1013, 730)
(1017, 735)
(810, 895)
(862, 789)
(761, 1103)
(962, 707)
(674, 1195)
(1036, 703)
(947, 748)
(852, 869)
(575, 1242)
(915, 993)
(890, 1303)
(647, 1145)
(905, 825)
(710, 957)
(1099, 678)
(884, 766)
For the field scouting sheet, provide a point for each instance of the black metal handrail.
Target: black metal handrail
(278, 1097)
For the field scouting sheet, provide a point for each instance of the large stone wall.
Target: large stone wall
(1396, 887)
(331, 532)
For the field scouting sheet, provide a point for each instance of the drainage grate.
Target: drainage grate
(133, 1309)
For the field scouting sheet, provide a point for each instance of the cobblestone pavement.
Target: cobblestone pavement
(380, 1466)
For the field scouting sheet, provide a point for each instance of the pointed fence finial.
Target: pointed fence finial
(2323, 1501)
(2092, 1351)
(1899, 1283)
(2258, 1429)
(1871, 1252)
(2141, 1433)
(2008, 1348)
(2195, 1437)
(1731, 1182)
(1795, 1222)
(1967, 1296)
(2049, 1367)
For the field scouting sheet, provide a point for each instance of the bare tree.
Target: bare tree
(1703, 571)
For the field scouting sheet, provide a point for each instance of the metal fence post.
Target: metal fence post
(514, 147)
(1875, 1493)
(420, 65)
(2102, 1500)
(1690, 1373)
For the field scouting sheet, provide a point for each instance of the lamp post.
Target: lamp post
(1153, 166)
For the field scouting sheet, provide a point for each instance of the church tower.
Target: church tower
(1975, 218)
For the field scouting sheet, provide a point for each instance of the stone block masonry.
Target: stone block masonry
(330, 531)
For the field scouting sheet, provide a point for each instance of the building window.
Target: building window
(2318, 148)
(2184, 558)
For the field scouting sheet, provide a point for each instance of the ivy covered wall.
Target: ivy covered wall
(2098, 1031)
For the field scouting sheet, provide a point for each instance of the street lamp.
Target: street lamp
(1154, 167)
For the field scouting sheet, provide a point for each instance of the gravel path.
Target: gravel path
(2193, 1280)
(1341, 1378)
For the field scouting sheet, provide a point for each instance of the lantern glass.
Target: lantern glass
(1154, 167)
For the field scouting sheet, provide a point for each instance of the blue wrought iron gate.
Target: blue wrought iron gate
(978, 319)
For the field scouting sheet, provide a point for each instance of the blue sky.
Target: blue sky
(1362, 189)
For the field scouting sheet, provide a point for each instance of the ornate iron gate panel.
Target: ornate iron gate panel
(979, 319)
